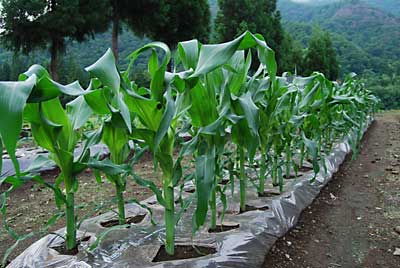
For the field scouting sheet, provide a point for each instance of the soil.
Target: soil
(130, 220)
(220, 228)
(183, 252)
(30, 206)
(352, 223)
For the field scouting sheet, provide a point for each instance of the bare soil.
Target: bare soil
(353, 221)
(351, 224)
(30, 206)
(183, 252)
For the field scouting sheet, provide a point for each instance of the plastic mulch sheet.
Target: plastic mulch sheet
(245, 246)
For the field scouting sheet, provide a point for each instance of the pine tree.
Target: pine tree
(169, 21)
(181, 20)
(30, 24)
(321, 55)
(138, 14)
(257, 16)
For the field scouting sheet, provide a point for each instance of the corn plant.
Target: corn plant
(213, 94)
(36, 100)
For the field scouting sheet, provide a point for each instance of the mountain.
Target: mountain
(370, 32)
(392, 6)
(364, 34)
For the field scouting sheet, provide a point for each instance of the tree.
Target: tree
(182, 20)
(293, 60)
(169, 21)
(137, 14)
(31, 24)
(321, 55)
(259, 16)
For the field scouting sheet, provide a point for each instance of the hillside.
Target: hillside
(391, 6)
(371, 33)
(365, 37)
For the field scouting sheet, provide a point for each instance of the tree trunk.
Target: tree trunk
(115, 32)
(54, 51)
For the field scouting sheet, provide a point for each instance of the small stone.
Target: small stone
(316, 241)
(395, 172)
(366, 176)
(388, 168)
(396, 252)
(289, 243)
(287, 256)
(397, 229)
(359, 218)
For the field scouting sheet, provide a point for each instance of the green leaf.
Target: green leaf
(250, 112)
(147, 110)
(151, 186)
(189, 53)
(106, 71)
(13, 97)
(39, 163)
(202, 113)
(205, 173)
(97, 101)
(153, 63)
(110, 168)
(165, 120)
(79, 112)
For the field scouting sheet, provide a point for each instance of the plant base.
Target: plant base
(183, 252)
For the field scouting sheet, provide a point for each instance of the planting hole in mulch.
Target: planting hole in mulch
(253, 208)
(291, 176)
(220, 228)
(72, 252)
(130, 220)
(223, 182)
(183, 252)
(190, 191)
(268, 194)
(305, 169)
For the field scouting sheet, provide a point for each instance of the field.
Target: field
(227, 150)
(363, 194)
(32, 205)
(355, 220)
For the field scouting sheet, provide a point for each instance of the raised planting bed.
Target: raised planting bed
(243, 239)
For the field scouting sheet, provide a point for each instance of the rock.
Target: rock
(366, 176)
(287, 256)
(397, 229)
(396, 252)
(395, 172)
(388, 168)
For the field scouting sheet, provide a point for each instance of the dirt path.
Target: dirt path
(352, 223)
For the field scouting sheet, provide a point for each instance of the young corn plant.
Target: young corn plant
(107, 101)
(35, 99)
(158, 110)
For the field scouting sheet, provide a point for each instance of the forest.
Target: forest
(353, 28)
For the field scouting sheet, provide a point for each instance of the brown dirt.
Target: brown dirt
(30, 206)
(183, 252)
(351, 223)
